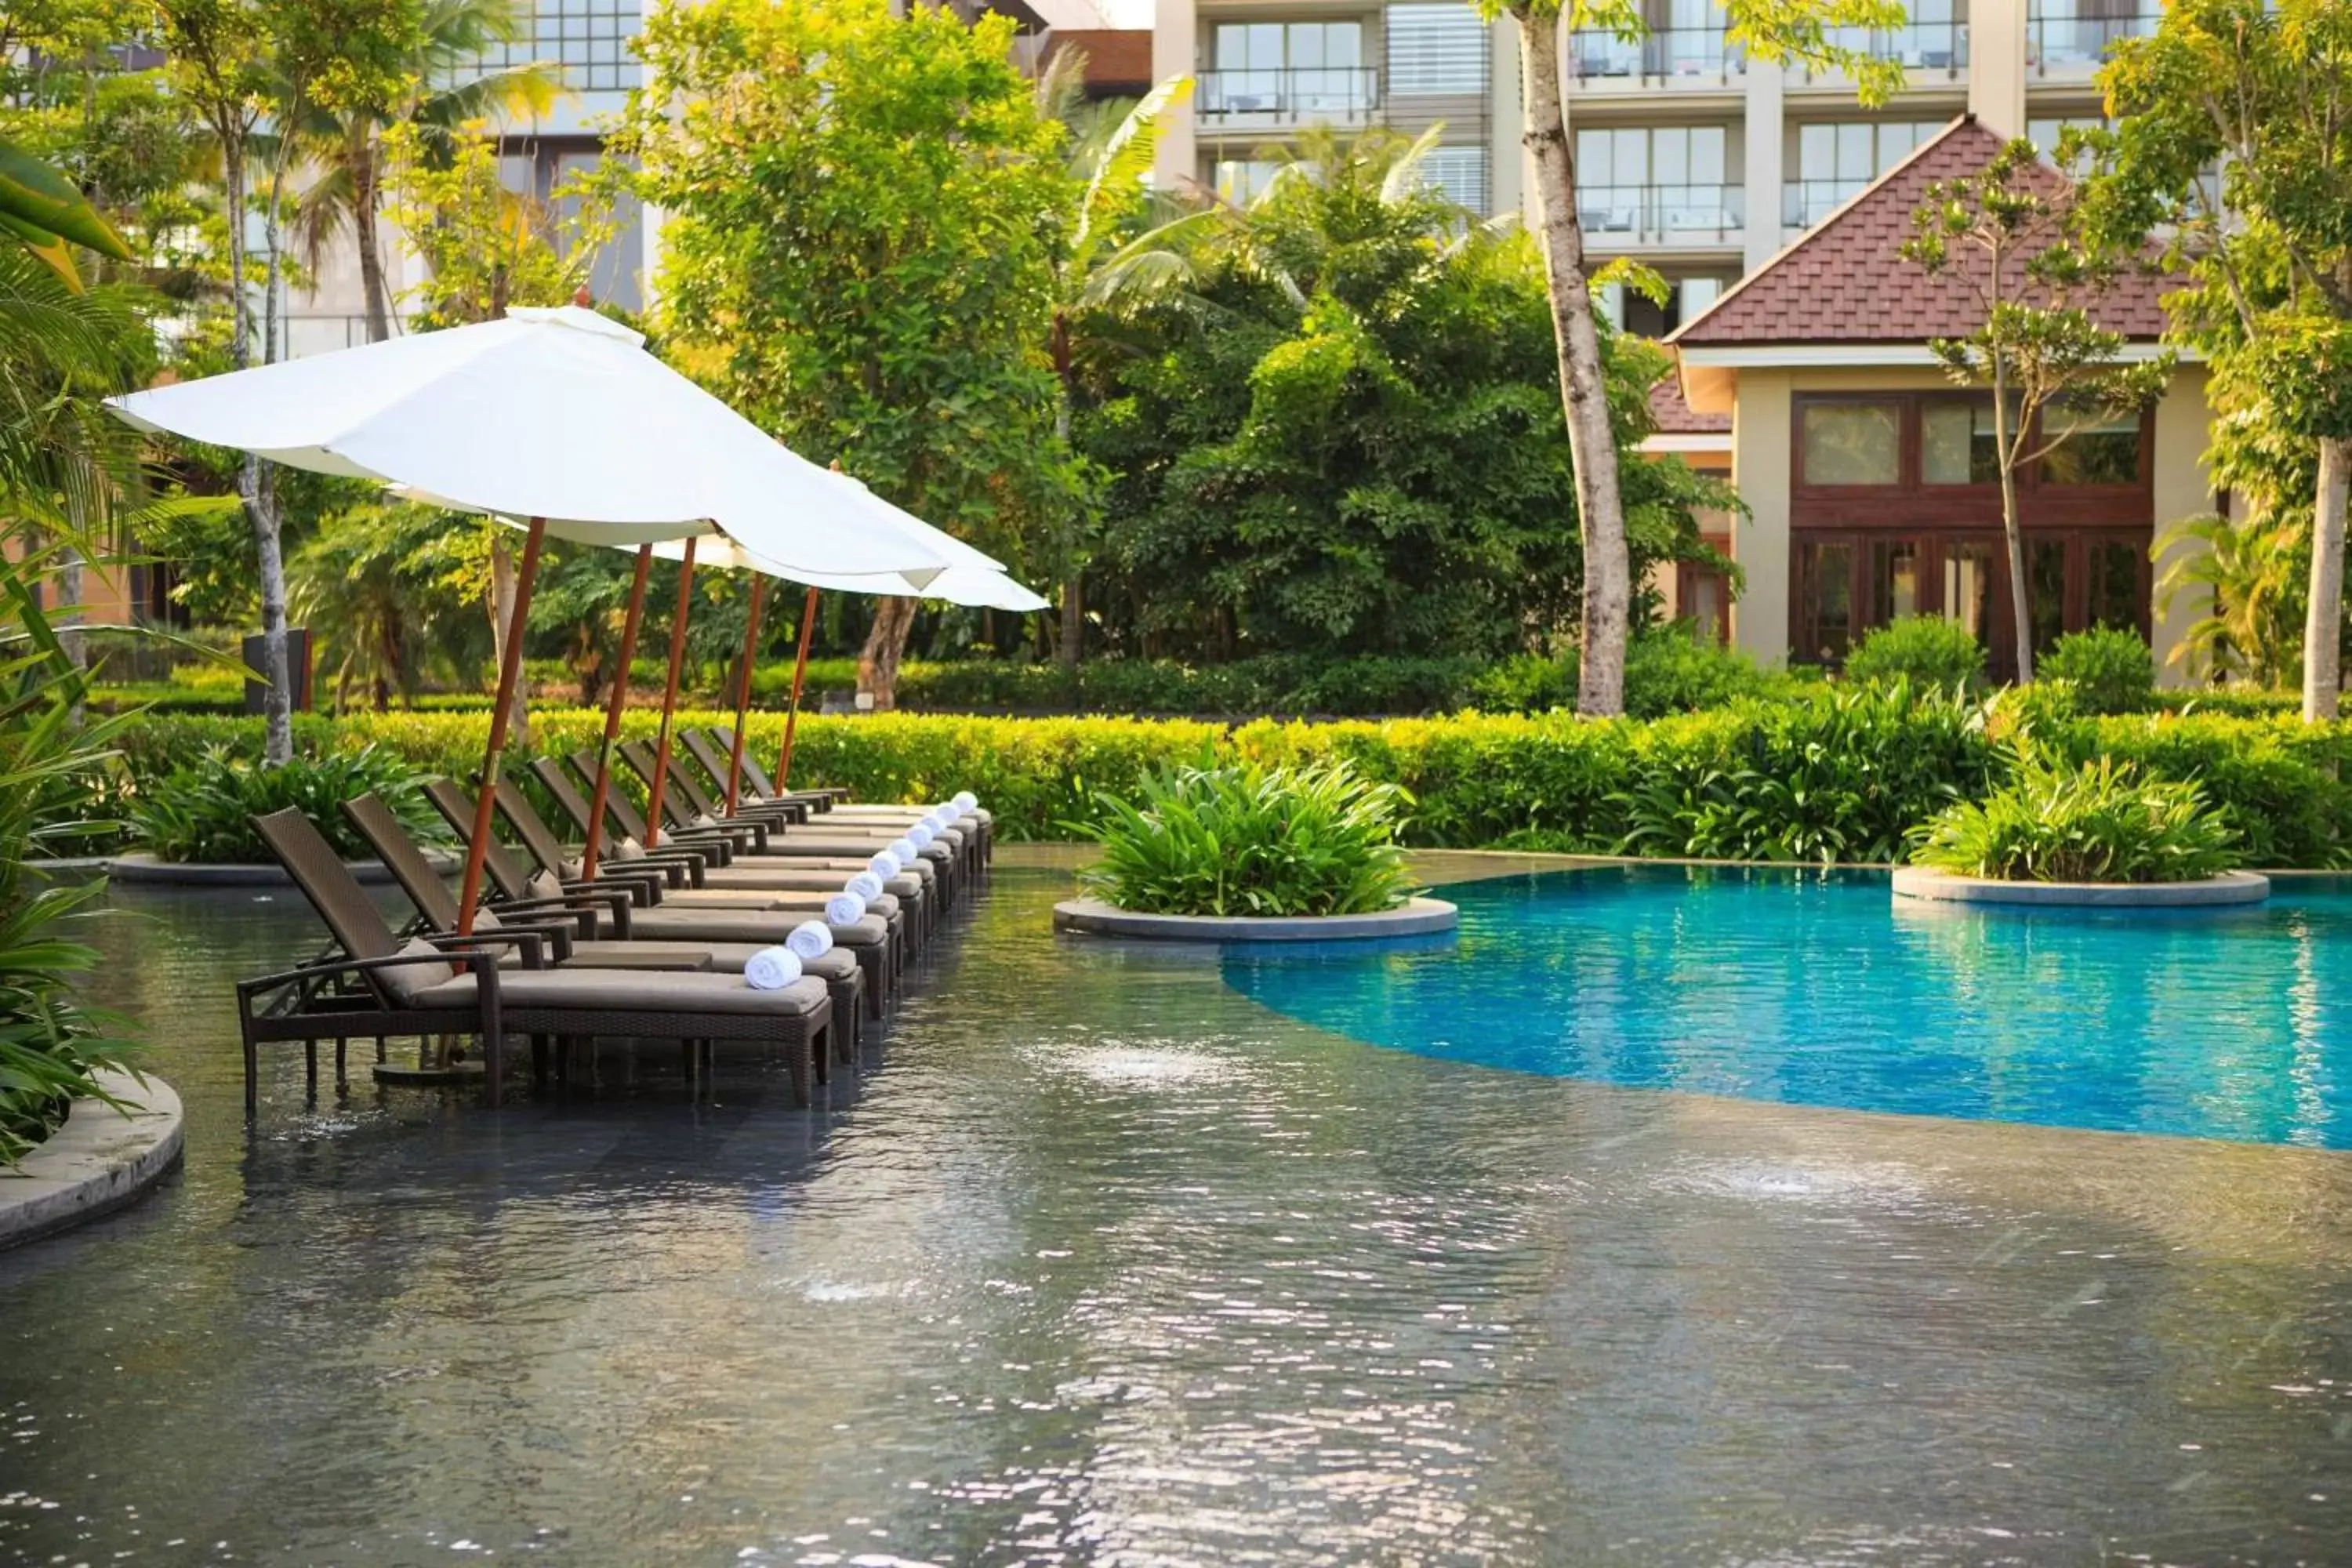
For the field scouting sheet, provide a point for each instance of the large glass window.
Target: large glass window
(1957, 444)
(2115, 597)
(1240, 180)
(2101, 451)
(1895, 585)
(1837, 161)
(1825, 630)
(1967, 586)
(2045, 582)
(1851, 444)
(1295, 67)
(1655, 178)
(588, 37)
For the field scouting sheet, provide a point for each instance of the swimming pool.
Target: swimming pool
(1821, 989)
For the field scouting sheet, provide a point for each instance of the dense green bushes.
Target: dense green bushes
(2101, 822)
(202, 811)
(1926, 650)
(1845, 774)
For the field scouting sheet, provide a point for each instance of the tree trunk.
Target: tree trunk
(363, 232)
(70, 616)
(877, 662)
(1584, 392)
(2021, 600)
(2323, 631)
(502, 599)
(1074, 626)
(254, 484)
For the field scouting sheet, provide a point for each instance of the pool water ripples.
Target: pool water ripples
(1101, 1261)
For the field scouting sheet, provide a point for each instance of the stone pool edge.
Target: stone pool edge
(1092, 917)
(2230, 888)
(96, 1163)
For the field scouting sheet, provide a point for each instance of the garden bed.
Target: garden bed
(1417, 916)
(2228, 888)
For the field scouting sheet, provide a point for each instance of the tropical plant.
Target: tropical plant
(858, 250)
(202, 812)
(1805, 32)
(2249, 579)
(2103, 822)
(2262, 89)
(1251, 840)
(2111, 669)
(1926, 650)
(379, 585)
(43, 213)
(2008, 234)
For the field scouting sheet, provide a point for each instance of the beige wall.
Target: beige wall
(2183, 490)
(1997, 65)
(1174, 39)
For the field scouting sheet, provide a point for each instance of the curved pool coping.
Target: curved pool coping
(1416, 917)
(145, 871)
(95, 1164)
(2229, 887)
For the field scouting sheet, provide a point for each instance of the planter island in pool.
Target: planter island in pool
(2229, 887)
(1415, 917)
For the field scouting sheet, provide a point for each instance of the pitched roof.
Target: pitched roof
(1676, 417)
(1845, 280)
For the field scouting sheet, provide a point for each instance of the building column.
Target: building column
(2183, 488)
(1507, 122)
(1997, 65)
(1175, 51)
(1762, 543)
(1763, 164)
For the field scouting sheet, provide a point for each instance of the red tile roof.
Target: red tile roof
(1676, 417)
(1846, 281)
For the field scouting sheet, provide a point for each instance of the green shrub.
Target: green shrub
(202, 810)
(2101, 822)
(1926, 650)
(2111, 671)
(1248, 839)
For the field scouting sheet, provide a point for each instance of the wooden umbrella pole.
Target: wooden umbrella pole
(619, 699)
(800, 674)
(743, 693)
(669, 696)
(509, 671)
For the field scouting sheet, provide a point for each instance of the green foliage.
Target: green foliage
(2112, 669)
(1926, 650)
(202, 812)
(2101, 822)
(1345, 436)
(1249, 839)
(2252, 578)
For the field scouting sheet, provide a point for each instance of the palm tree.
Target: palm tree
(346, 144)
(1107, 267)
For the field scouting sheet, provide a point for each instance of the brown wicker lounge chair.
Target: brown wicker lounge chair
(868, 939)
(417, 990)
(721, 740)
(437, 908)
(710, 754)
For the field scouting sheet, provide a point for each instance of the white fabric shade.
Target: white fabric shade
(558, 413)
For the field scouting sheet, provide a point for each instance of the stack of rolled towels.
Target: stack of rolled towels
(867, 886)
(773, 968)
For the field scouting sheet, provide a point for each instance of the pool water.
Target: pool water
(1099, 1261)
(1823, 989)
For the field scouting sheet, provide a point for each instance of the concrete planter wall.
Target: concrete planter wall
(1092, 917)
(1942, 887)
(143, 869)
(97, 1162)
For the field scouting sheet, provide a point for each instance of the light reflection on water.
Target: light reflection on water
(1104, 1263)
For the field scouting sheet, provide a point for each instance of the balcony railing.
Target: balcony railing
(1692, 55)
(1919, 47)
(2081, 42)
(1661, 213)
(1805, 202)
(1339, 95)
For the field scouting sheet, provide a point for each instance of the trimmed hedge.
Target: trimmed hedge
(1844, 775)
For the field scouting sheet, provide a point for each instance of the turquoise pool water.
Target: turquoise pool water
(1824, 990)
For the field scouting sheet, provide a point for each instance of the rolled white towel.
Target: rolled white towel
(920, 835)
(940, 820)
(885, 865)
(810, 938)
(844, 908)
(965, 800)
(772, 969)
(865, 885)
(905, 850)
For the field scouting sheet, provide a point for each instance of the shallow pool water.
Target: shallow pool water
(1100, 1261)
(1824, 989)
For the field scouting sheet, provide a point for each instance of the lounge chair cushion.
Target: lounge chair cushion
(407, 982)
(653, 992)
(725, 957)
(705, 926)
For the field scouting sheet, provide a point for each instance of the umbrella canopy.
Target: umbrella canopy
(557, 414)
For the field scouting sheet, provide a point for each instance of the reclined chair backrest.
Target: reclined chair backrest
(405, 861)
(723, 737)
(563, 792)
(714, 762)
(537, 838)
(357, 925)
(457, 808)
(678, 808)
(617, 804)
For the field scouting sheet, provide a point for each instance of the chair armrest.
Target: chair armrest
(481, 961)
(582, 910)
(532, 942)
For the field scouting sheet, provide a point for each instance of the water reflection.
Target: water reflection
(1102, 1262)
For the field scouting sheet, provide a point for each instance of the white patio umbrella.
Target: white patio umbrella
(559, 416)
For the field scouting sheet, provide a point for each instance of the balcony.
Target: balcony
(1690, 57)
(1934, 48)
(1306, 95)
(1615, 215)
(1805, 202)
(2075, 44)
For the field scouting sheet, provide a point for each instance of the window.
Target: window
(1957, 444)
(1894, 580)
(1685, 297)
(587, 38)
(2045, 582)
(1851, 444)
(1826, 601)
(1435, 49)
(1967, 587)
(2044, 133)
(1459, 174)
(2101, 451)
(1240, 180)
(1836, 161)
(1298, 67)
(2115, 595)
(1655, 178)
